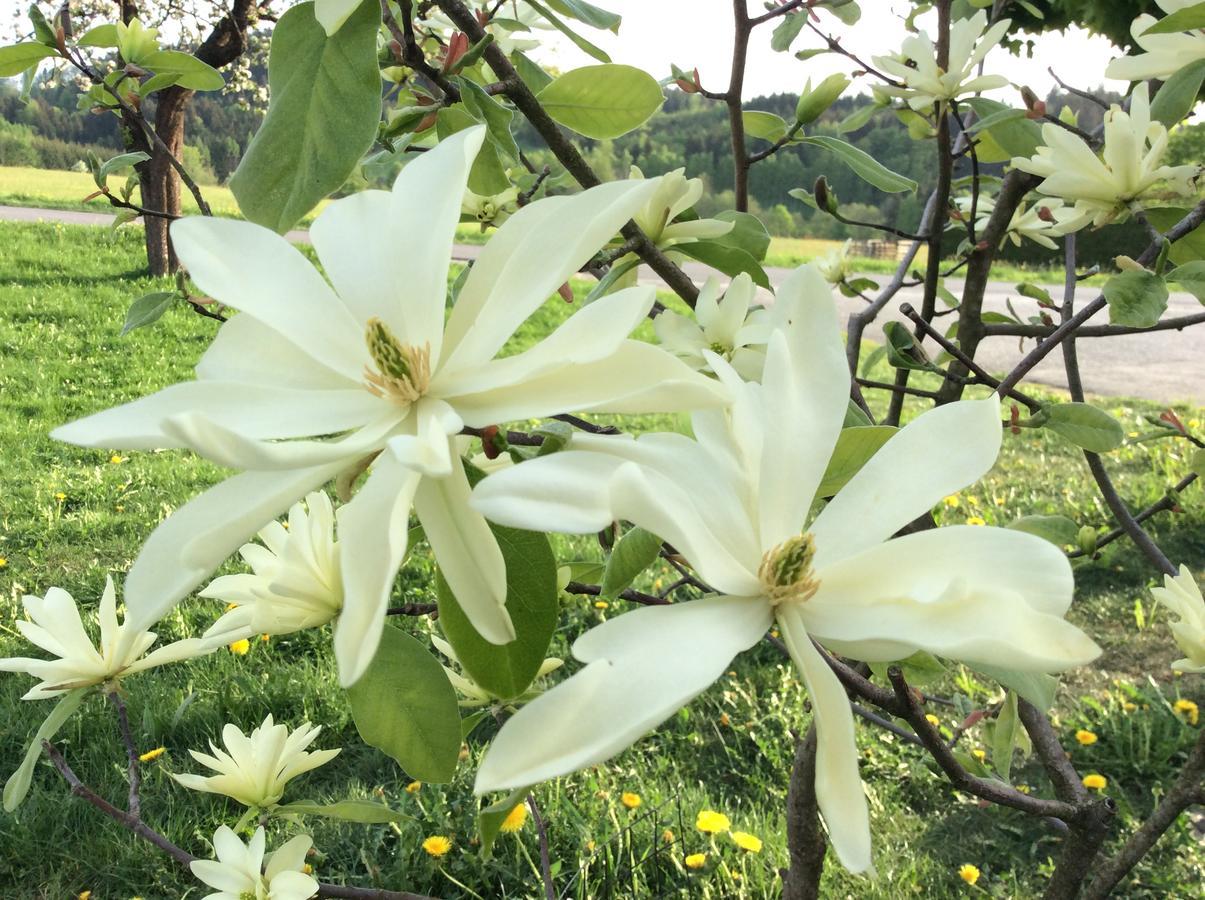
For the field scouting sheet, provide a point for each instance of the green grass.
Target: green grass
(69, 516)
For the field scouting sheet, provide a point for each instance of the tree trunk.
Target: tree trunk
(159, 181)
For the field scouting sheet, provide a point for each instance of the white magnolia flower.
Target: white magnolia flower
(731, 326)
(254, 769)
(675, 194)
(1182, 597)
(471, 692)
(238, 873)
(1165, 54)
(296, 580)
(1129, 170)
(835, 266)
(311, 378)
(735, 503)
(925, 82)
(1040, 223)
(492, 210)
(54, 625)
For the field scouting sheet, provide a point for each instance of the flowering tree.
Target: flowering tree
(792, 515)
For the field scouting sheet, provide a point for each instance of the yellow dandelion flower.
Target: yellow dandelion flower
(746, 841)
(932, 719)
(968, 873)
(696, 860)
(774, 634)
(630, 800)
(1189, 710)
(264, 638)
(1128, 706)
(60, 496)
(711, 822)
(1085, 737)
(117, 459)
(152, 754)
(307, 869)
(976, 520)
(3, 562)
(1023, 788)
(973, 500)
(667, 836)
(601, 604)
(84, 895)
(951, 501)
(979, 754)
(724, 720)
(413, 787)
(241, 647)
(590, 845)
(515, 819)
(437, 845)
(1095, 782)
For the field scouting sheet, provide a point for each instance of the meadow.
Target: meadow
(71, 516)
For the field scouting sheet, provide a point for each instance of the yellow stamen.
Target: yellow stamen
(403, 371)
(786, 571)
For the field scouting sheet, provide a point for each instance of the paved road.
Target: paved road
(1167, 365)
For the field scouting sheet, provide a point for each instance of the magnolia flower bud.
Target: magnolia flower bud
(813, 102)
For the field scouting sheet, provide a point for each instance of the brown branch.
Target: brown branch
(1166, 502)
(805, 837)
(134, 803)
(545, 859)
(1008, 329)
(594, 590)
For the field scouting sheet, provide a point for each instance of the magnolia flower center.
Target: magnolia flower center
(403, 371)
(786, 571)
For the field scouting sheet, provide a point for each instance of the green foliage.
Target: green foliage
(405, 706)
(324, 111)
(148, 308)
(1178, 95)
(602, 101)
(17, 58)
(1136, 297)
(855, 446)
(366, 812)
(633, 553)
(1059, 530)
(864, 165)
(1085, 425)
(16, 789)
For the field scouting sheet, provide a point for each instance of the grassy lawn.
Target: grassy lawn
(54, 189)
(69, 516)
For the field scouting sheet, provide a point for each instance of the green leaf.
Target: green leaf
(109, 166)
(1036, 687)
(1010, 136)
(323, 115)
(854, 416)
(1059, 530)
(531, 73)
(1136, 298)
(497, 118)
(471, 721)
(1178, 95)
(17, 786)
(366, 812)
(405, 706)
(919, 669)
(1197, 462)
(1035, 292)
(858, 118)
(614, 275)
(1186, 19)
(506, 670)
(863, 165)
(855, 446)
(16, 59)
(1085, 426)
(729, 260)
(490, 818)
(633, 553)
(764, 125)
(147, 309)
(488, 173)
(582, 44)
(1188, 248)
(1004, 736)
(190, 72)
(587, 13)
(748, 233)
(902, 349)
(100, 36)
(41, 28)
(787, 30)
(602, 101)
(1191, 277)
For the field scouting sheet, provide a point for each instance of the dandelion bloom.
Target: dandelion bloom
(696, 860)
(968, 873)
(1095, 782)
(1086, 737)
(241, 647)
(932, 719)
(414, 787)
(712, 822)
(152, 755)
(515, 819)
(1189, 710)
(631, 801)
(746, 841)
(437, 845)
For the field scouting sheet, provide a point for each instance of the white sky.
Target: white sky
(693, 33)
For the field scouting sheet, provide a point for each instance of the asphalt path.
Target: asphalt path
(1162, 366)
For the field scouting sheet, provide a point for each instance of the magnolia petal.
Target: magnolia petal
(805, 393)
(293, 885)
(259, 272)
(937, 454)
(641, 667)
(373, 531)
(839, 792)
(331, 14)
(500, 295)
(189, 648)
(467, 553)
(635, 378)
(428, 450)
(221, 875)
(978, 595)
(193, 541)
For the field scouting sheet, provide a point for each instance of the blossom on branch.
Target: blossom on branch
(1129, 171)
(1182, 597)
(1165, 54)
(1040, 223)
(735, 502)
(254, 768)
(239, 871)
(312, 379)
(54, 625)
(925, 82)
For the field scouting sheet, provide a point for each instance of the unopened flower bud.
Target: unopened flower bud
(1128, 264)
(825, 198)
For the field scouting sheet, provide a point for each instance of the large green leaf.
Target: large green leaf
(1189, 247)
(506, 670)
(323, 115)
(764, 125)
(855, 446)
(1085, 425)
(748, 233)
(365, 812)
(602, 101)
(1190, 277)
(488, 174)
(632, 554)
(1059, 530)
(16, 59)
(787, 30)
(405, 706)
(1178, 95)
(17, 786)
(1009, 135)
(1136, 298)
(729, 260)
(588, 13)
(1186, 19)
(863, 164)
(584, 45)
(189, 71)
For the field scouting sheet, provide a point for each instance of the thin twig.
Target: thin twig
(545, 860)
(134, 804)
